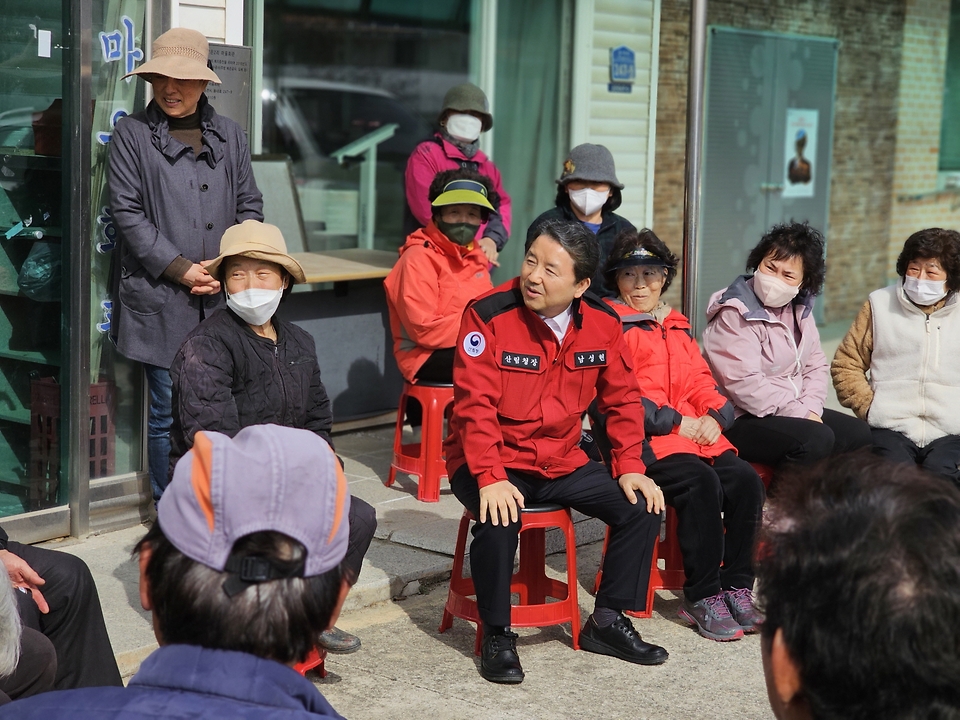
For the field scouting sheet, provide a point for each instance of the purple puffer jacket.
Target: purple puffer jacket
(755, 358)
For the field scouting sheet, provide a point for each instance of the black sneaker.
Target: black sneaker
(499, 661)
(621, 641)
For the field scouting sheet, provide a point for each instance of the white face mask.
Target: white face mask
(588, 201)
(255, 306)
(924, 292)
(463, 127)
(772, 291)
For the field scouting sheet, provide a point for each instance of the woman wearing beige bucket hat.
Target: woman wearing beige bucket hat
(179, 176)
(244, 366)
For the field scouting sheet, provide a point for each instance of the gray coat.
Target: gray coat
(167, 202)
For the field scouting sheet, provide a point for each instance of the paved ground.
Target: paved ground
(406, 667)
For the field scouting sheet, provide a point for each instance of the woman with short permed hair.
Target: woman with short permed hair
(763, 347)
(907, 336)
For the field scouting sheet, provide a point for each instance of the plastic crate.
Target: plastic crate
(44, 471)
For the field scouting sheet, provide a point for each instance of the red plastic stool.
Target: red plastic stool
(530, 581)
(667, 548)
(425, 458)
(765, 472)
(313, 660)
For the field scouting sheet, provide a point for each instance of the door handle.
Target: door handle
(771, 187)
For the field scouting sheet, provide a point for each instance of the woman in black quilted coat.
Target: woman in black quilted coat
(245, 366)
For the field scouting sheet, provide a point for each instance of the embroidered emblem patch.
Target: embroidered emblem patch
(474, 344)
(568, 167)
(590, 358)
(527, 362)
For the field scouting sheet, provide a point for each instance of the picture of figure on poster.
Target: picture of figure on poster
(799, 153)
(799, 170)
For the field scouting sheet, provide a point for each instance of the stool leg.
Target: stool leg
(572, 583)
(431, 448)
(533, 556)
(397, 439)
(456, 573)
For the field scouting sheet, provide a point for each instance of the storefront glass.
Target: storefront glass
(119, 42)
(336, 71)
(31, 264)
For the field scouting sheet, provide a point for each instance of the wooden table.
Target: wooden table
(344, 265)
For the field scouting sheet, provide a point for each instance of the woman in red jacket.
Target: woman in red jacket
(442, 267)
(685, 452)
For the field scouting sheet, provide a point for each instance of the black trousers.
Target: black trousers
(589, 489)
(940, 457)
(75, 622)
(700, 492)
(773, 440)
(437, 369)
(363, 524)
(36, 669)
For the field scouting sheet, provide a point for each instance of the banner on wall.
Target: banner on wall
(800, 150)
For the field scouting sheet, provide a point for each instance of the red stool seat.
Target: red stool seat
(423, 459)
(530, 581)
(313, 660)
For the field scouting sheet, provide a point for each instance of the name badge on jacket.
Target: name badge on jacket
(517, 360)
(590, 358)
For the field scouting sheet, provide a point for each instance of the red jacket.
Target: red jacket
(437, 154)
(519, 395)
(674, 380)
(427, 290)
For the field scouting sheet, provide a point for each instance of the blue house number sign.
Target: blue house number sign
(623, 69)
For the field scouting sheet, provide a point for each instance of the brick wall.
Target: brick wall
(915, 202)
(865, 115)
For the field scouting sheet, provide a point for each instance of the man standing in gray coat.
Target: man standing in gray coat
(179, 176)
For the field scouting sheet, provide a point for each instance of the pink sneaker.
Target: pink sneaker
(740, 603)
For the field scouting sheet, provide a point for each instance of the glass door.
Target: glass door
(31, 256)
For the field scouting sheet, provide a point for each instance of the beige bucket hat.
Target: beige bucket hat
(260, 241)
(179, 53)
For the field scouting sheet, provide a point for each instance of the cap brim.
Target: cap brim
(462, 197)
(639, 262)
(176, 67)
(285, 261)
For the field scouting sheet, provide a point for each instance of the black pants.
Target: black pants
(437, 369)
(773, 440)
(36, 669)
(75, 622)
(940, 456)
(591, 490)
(363, 524)
(700, 492)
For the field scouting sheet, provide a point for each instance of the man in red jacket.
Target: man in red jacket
(531, 356)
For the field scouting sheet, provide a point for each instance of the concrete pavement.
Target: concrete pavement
(406, 666)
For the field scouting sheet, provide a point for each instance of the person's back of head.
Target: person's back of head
(859, 576)
(247, 549)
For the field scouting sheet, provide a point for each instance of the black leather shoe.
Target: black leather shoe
(499, 661)
(621, 641)
(336, 640)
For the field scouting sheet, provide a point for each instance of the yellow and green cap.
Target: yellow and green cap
(463, 192)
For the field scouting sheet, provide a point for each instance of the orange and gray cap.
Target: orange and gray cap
(266, 478)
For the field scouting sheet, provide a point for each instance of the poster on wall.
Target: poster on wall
(800, 150)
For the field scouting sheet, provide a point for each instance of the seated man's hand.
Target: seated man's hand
(24, 576)
(709, 431)
(501, 500)
(631, 482)
(689, 428)
(489, 248)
